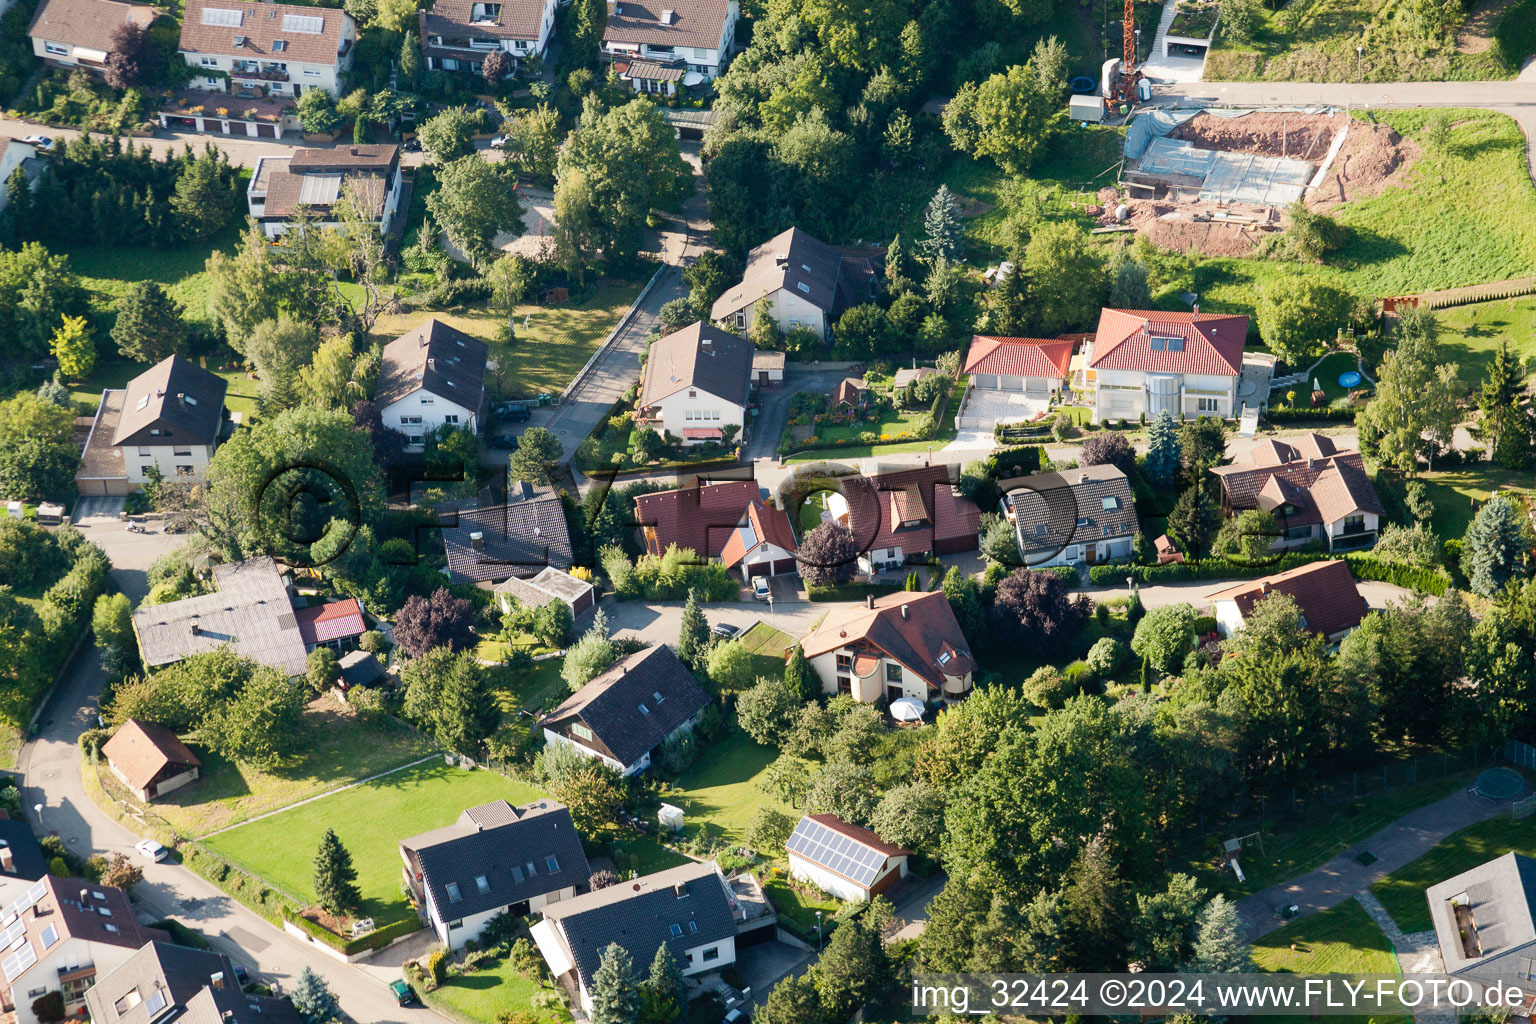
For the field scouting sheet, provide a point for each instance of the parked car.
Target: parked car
(724, 629)
(412, 146)
(152, 850)
(760, 588)
(403, 994)
(737, 1016)
(42, 143)
(499, 142)
(242, 976)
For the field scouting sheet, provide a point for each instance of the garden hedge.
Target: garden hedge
(1022, 461)
(1327, 414)
(1363, 565)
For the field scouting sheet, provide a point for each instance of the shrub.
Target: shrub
(1046, 689)
(1105, 655)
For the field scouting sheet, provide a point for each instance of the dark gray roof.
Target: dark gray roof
(519, 538)
(359, 668)
(640, 914)
(250, 610)
(229, 1006)
(178, 971)
(818, 273)
(621, 706)
(507, 847)
(27, 860)
(699, 356)
(1501, 896)
(176, 397)
(1075, 506)
(437, 358)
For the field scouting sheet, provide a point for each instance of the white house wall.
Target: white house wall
(790, 309)
(1123, 394)
(470, 927)
(43, 976)
(138, 458)
(1228, 619)
(826, 881)
(674, 410)
(432, 410)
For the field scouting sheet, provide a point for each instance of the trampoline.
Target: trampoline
(1082, 85)
(1349, 379)
(1499, 783)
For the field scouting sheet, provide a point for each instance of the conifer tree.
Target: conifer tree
(335, 877)
(1163, 450)
(664, 993)
(1492, 547)
(941, 224)
(799, 679)
(615, 996)
(693, 637)
(1506, 423)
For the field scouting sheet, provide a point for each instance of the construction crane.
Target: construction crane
(1123, 89)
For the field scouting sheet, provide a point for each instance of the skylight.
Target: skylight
(803, 287)
(1111, 503)
(143, 401)
(944, 658)
(482, 883)
(222, 16)
(49, 936)
(552, 863)
(156, 1002)
(453, 892)
(643, 709)
(675, 929)
(1039, 529)
(305, 23)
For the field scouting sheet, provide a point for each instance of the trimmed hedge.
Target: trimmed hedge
(1024, 460)
(1363, 565)
(1065, 573)
(1327, 414)
(851, 591)
(376, 939)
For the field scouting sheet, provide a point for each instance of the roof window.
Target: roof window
(1111, 503)
(675, 929)
(453, 892)
(143, 401)
(803, 287)
(1039, 529)
(552, 863)
(482, 883)
(643, 709)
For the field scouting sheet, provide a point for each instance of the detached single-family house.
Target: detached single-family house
(697, 382)
(1148, 361)
(456, 35)
(808, 283)
(61, 934)
(690, 909)
(251, 610)
(494, 859)
(284, 49)
(702, 518)
(624, 715)
(316, 180)
(657, 45)
(1325, 592)
(1034, 367)
(149, 759)
(906, 514)
(165, 982)
(78, 33)
(764, 543)
(168, 417)
(850, 391)
(850, 862)
(1076, 515)
(1317, 492)
(550, 584)
(907, 644)
(522, 536)
(431, 377)
(1485, 924)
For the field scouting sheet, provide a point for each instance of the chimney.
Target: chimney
(85, 894)
(781, 260)
(1196, 309)
(431, 363)
(181, 398)
(904, 614)
(7, 861)
(681, 888)
(1264, 587)
(869, 600)
(216, 980)
(477, 541)
(196, 629)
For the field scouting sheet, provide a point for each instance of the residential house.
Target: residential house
(767, 369)
(906, 514)
(622, 717)
(656, 48)
(909, 375)
(315, 181)
(1485, 923)
(150, 759)
(697, 384)
(494, 859)
(1035, 367)
(282, 50)
(1076, 515)
(456, 35)
(691, 909)
(17, 154)
(63, 934)
(21, 858)
(906, 644)
(764, 543)
(432, 377)
(549, 585)
(850, 391)
(807, 282)
(251, 610)
(78, 33)
(702, 518)
(1145, 362)
(1325, 592)
(1318, 492)
(168, 417)
(850, 862)
(522, 536)
(164, 981)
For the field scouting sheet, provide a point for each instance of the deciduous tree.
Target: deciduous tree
(828, 555)
(1034, 609)
(74, 348)
(1165, 636)
(1006, 118)
(427, 624)
(474, 203)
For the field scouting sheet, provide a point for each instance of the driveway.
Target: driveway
(1379, 596)
(768, 424)
(661, 623)
(131, 554)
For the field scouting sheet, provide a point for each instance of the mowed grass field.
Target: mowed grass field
(370, 820)
(495, 988)
(1470, 335)
(1443, 229)
(1343, 940)
(722, 787)
(1454, 490)
(1402, 892)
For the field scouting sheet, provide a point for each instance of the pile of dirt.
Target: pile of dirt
(1173, 226)
(1293, 135)
(1374, 157)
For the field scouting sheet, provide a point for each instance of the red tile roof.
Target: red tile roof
(1325, 591)
(320, 624)
(878, 507)
(1212, 342)
(140, 750)
(310, 35)
(701, 518)
(1322, 483)
(1019, 357)
(761, 524)
(912, 628)
(850, 391)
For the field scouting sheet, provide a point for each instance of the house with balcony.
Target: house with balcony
(64, 933)
(657, 45)
(456, 35)
(316, 180)
(166, 420)
(697, 385)
(1325, 592)
(1318, 492)
(494, 859)
(1077, 515)
(1485, 924)
(78, 33)
(1144, 362)
(906, 644)
(266, 49)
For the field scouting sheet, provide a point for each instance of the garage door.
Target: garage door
(986, 381)
(758, 569)
(1037, 387)
(784, 566)
(1012, 383)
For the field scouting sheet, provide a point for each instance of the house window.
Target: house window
(427, 401)
(693, 926)
(1298, 533)
(128, 1001)
(157, 1001)
(449, 64)
(453, 892)
(643, 709)
(311, 74)
(675, 929)
(456, 924)
(844, 684)
(532, 871)
(57, 49)
(1205, 404)
(712, 953)
(410, 421)
(111, 928)
(143, 451)
(552, 864)
(892, 673)
(33, 993)
(700, 53)
(451, 419)
(182, 453)
(580, 731)
(183, 469)
(741, 318)
(413, 439)
(210, 62)
(482, 883)
(845, 663)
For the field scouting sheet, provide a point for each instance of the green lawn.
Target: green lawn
(1327, 374)
(888, 427)
(490, 990)
(800, 907)
(541, 689)
(1343, 940)
(1453, 491)
(768, 647)
(334, 751)
(370, 820)
(1402, 892)
(1438, 231)
(810, 511)
(1470, 335)
(721, 789)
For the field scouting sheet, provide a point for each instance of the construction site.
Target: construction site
(1216, 182)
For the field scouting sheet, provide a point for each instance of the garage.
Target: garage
(1031, 366)
(785, 566)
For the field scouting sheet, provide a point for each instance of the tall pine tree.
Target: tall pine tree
(941, 224)
(335, 877)
(664, 993)
(1219, 944)
(615, 996)
(693, 637)
(1163, 450)
(1009, 301)
(1506, 422)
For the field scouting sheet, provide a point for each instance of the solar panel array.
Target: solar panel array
(222, 16)
(307, 24)
(17, 963)
(832, 850)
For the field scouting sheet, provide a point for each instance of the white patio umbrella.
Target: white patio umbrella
(907, 709)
